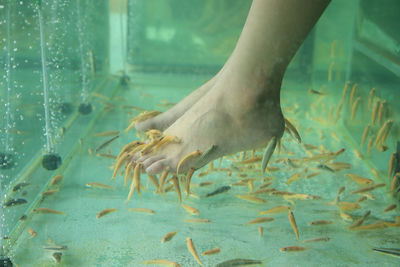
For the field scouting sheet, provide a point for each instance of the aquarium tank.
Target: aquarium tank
(77, 75)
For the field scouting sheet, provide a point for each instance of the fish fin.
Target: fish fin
(269, 150)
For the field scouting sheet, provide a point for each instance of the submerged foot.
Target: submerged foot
(239, 113)
(165, 119)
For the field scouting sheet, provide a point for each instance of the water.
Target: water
(171, 49)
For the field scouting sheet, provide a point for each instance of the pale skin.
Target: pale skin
(239, 108)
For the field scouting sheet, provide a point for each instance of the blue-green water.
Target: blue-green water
(165, 62)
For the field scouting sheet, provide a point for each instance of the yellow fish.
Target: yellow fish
(191, 210)
(252, 198)
(276, 209)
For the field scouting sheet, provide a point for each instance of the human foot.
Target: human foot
(232, 117)
(165, 119)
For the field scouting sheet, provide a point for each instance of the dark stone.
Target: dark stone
(6, 161)
(85, 108)
(124, 80)
(5, 262)
(51, 161)
(66, 108)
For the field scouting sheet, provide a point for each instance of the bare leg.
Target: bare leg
(242, 109)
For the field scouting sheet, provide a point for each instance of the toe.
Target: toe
(157, 167)
(149, 161)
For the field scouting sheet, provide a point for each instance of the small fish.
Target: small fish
(192, 250)
(395, 252)
(19, 186)
(188, 179)
(105, 212)
(55, 247)
(276, 209)
(32, 232)
(177, 188)
(211, 251)
(238, 262)
(168, 236)
(325, 167)
(320, 222)
(190, 156)
(206, 183)
(162, 262)
(56, 179)
(311, 175)
(47, 210)
(260, 230)
(293, 249)
(345, 216)
(197, 220)
(315, 92)
(348, 206)
(106, 155)
(293, 130)
(143, 210)
(293, 224)
(191, 210)
(105, 144)
(390, 207)
(362, 198)
(90, 151)
(365, 134)
(360, 221)
(251, 160)
(15, 202)
(293, 178)
(269, 150)
(252, 199)
(261, 220)
(163, 178)
(354, 108)
(392, 161)
(107, 133)
(317, 239)
(219, 190)
(49, 192)
(368, 188)
(99, 185)
(359, 179)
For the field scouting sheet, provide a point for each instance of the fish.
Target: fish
(49, 192)
(354, 108)
(353, 93)
(120, 161)
(162, 262)
(392, 161)
(293, 130)
(381, 111)
(276, 209)
(190, 156)
(362, 198)
(315, 92)
(390, 207)
(293, 224)
(136, 176)
(293, 249)
(260, 230)
(330, 71)
(153, 180)
(143, 210)
(359, 179)
(177, 188)
(368, 188)
(219, 190)
(211, 251)
(341, 190)
(360, 221)
(383, 131)
(56, 179)
(197, 220)
(168, 236)
(55, 247)
(99, 185)
(189, 176)
(14, 202)
(163, 178)
(106, 155)
(345, 216)
(395, 181)
(145, 115)
(238, 262)
(371, 97)
(395, 252)
(293, 178)
(375, 112)
(206, 183)
(107, 133)
(269, 150)
(190, 209)
(263, 191)
(317, 239)
(365, 133)
(300, 196)
(47, 210)
(90, 151)
(348, 206)
(19, 186)
(128, 172)
(251, 160)
(260, 220)
(165, 140)
(105, 212)
(252, 199)
(206, 155)
(105, 144)
(192, 250)
(325, 167)
(369, 145)
(320, 222)
(311, 175)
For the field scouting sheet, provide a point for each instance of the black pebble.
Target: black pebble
(66, 108)
(51, 161)
(85, 108)
(6, 161)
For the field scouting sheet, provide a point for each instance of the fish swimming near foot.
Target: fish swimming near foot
(238, 262)
(395, 252)
(219, 190)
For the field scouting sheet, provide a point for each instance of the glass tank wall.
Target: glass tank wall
(75, 74)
